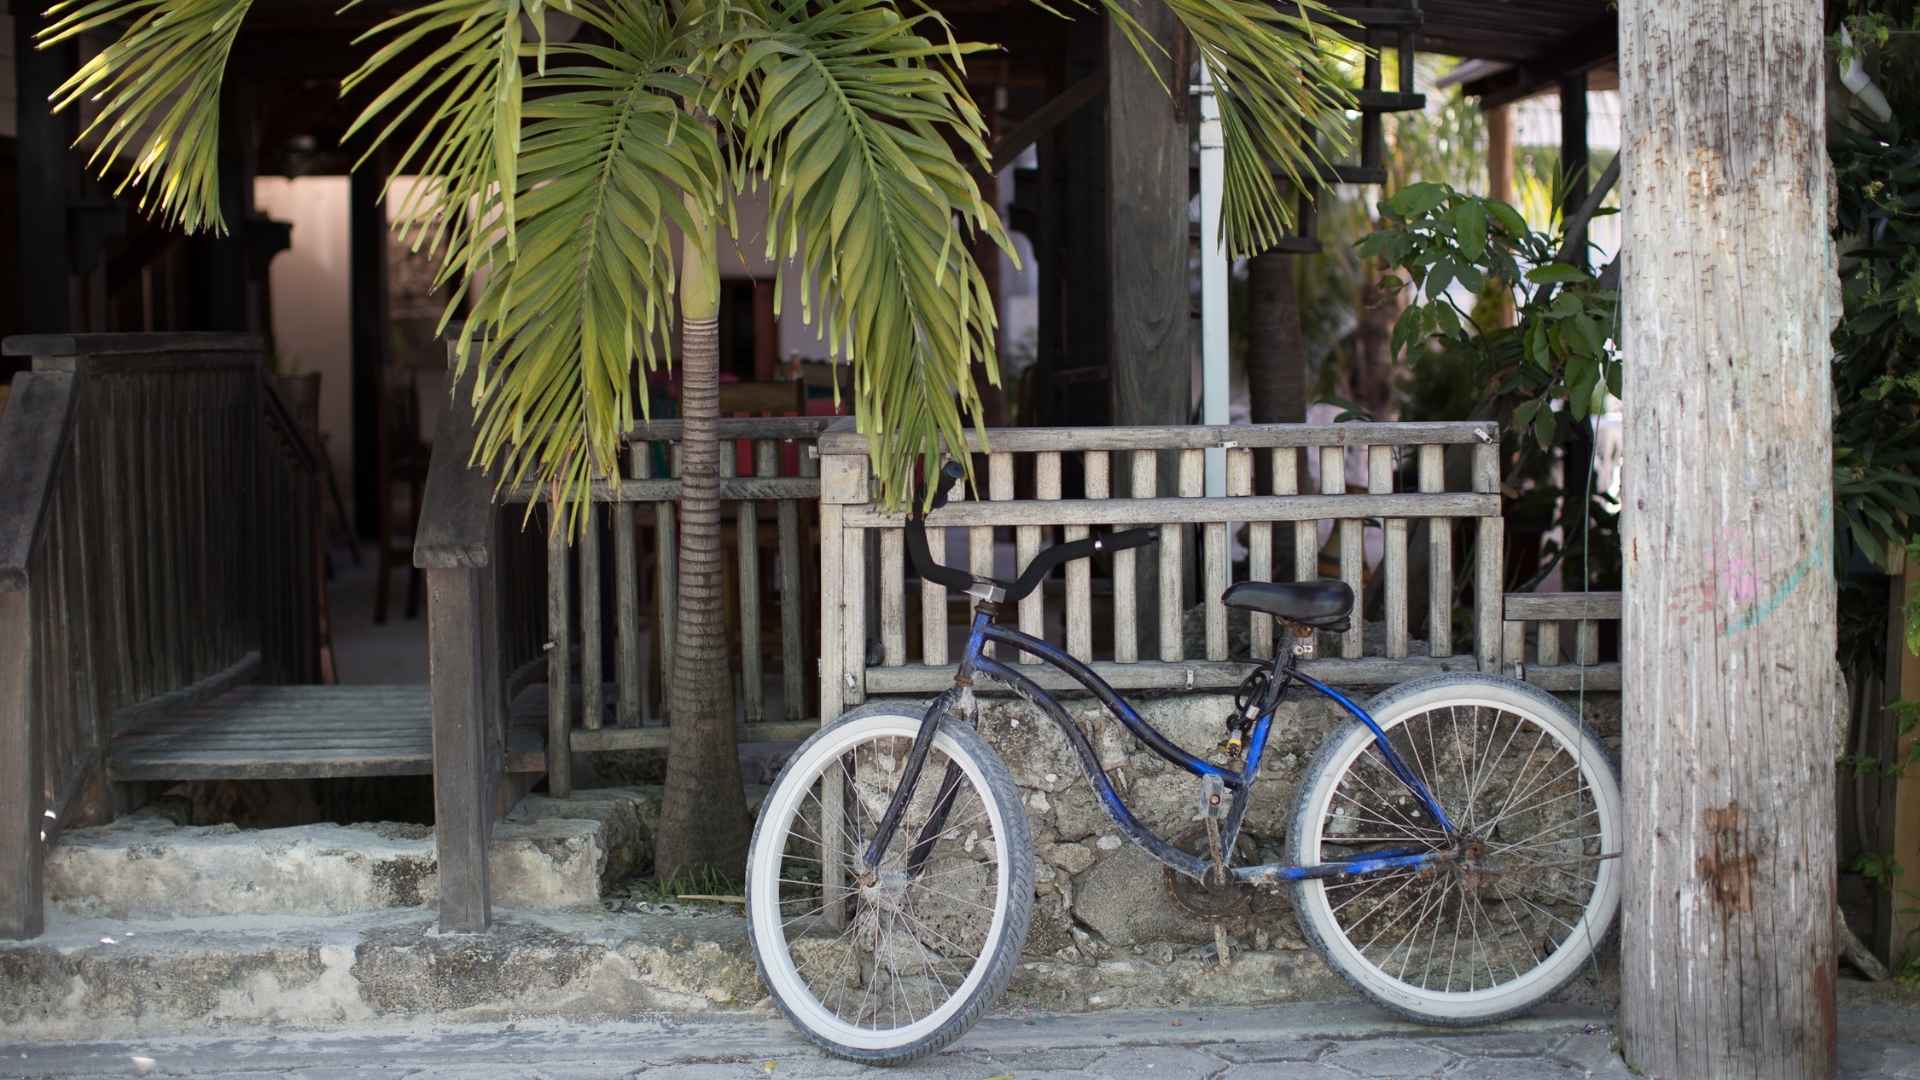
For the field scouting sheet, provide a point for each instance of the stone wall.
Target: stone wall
(1103, 902)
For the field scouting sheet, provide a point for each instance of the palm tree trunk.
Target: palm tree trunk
(703, 819)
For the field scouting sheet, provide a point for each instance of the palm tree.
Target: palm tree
(559, 177)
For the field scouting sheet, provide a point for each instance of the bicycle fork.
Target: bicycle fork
(960, 698)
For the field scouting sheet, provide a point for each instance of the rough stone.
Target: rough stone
(1389, 1059)
(80, 981)
(551, 853)
(1125, 981)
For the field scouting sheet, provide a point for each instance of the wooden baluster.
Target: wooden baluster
(1587, 643)
(1259, 551)
(1173, 560)
(855, 566)
(1333, 481)
(634, 706)
(753, 683)
(1218, 562)
(999, 489)
(591, 702)
(1489, 540)
(1394, 552)
(893, 597)
(793, 637)
(1433, 479)
(933, 595)
(1094, 465)
(1549, 644)
(1353, 571)
(1513, 643)
(1033, 606)
(666, 576)
(1126, 576)
(559, 660)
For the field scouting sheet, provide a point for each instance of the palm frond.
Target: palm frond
(1283, 103)
(1283, 100)
(464, 95)
(609, 163)
(158, 91)
(846, 113)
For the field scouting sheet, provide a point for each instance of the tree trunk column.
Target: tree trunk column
(1727, 946)
(703, 820)
(1149, 301)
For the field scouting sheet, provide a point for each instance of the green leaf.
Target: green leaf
(1470, 224)
(1280, 82)
(1416, 200)
(853, 125)
(1537, 349)
(155, 92)
(1545, 425)
(1557, 273)
(1507, 217)
(1565, 305)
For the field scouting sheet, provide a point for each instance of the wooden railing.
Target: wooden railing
(1119, 483)
(1558, 664)
(642, 513)
(486, 595)
(158, 542)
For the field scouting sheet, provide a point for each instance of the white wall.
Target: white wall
(312, 325)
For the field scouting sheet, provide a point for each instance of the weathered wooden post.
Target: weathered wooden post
(1728, 959)
(456, 545)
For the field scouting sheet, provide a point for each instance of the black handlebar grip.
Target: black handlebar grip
(950, 474)
(1120, 541)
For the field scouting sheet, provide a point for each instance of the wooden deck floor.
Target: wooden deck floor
(297, 732)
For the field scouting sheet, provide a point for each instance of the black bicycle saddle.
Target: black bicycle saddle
(1312, 603)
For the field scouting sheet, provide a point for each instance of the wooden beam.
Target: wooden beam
(43, 164)
(33, 438)
(1899, 917)
(1010, 146)
(1575, 161)
(463, 769)
(1576, 54)
(22, 854)
(1148, 308)
(367, 305)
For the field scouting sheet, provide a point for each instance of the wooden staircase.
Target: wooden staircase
(160, 594)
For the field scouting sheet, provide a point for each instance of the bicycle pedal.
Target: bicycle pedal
(1213, 797)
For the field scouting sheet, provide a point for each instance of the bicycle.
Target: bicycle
(1433, 805)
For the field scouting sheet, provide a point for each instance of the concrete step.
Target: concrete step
(548, 854)
(92, 978)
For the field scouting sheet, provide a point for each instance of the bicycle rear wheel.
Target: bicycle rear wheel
(1514, 905)
(889, 966)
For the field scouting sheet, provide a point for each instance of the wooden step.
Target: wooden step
(256, 732)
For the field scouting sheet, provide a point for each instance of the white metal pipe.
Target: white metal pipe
(1213, 279)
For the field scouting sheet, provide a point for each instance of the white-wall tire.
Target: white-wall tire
(1584, 772)
(1009, 881)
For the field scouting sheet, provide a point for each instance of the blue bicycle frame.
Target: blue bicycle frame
(975, 662)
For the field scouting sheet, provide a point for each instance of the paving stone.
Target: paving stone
(1285, 1070)
(1023, 1062)
(1278, 1050)
(1903, 1060)
(1390, 1058)
(1143, 1063)
(1509, 1044)
(1593, 1054)
(1514, 1068)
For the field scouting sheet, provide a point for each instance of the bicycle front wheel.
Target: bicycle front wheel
(1515, 902)
(887, 966)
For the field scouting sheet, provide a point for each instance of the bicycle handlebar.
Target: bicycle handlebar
(1043, 564)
